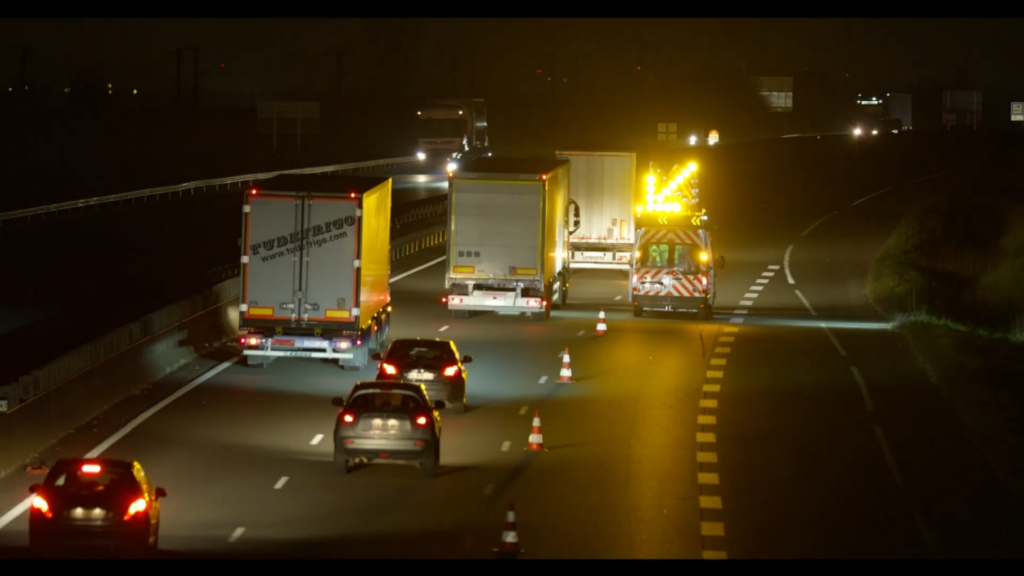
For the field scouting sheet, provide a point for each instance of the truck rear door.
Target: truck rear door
(301, 253)
(672, 263)
(496, 229)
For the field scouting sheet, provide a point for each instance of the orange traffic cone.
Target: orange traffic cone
(566, 374)
(509, 548)
(536, 443)
(602, 328)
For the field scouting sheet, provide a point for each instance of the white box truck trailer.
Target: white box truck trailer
(316, 266)
(508, 237)
(603, 187)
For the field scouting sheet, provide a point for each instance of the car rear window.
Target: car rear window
(385, 401)
(421, 351)
(75, 480)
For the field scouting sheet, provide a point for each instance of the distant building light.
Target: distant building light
(110, 91)
(134, 91)
(110, 85)
(67, 89)
(26, 87)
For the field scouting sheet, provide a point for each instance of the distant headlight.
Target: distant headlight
(421, 155)
(452, 166)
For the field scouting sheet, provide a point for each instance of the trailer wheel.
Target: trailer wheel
(460, 314)
(638, 312)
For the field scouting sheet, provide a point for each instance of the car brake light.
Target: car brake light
(389, 369)
(39, 504)
(451, 371)
(137, 507)
(421, 421)
(348, 418)
(90, 468)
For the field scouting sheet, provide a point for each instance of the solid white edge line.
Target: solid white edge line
(106, 444)
(869, 196)
(416, 269)
(863, 389)
(785, 263)
(888, 457)
(806, 303)
(932, 176)
(21, 508)
(813, 226)
(834, 341)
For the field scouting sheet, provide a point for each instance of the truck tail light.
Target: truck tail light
(389, 369)
(451, 371)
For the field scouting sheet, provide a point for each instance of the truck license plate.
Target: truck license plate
(301, 354)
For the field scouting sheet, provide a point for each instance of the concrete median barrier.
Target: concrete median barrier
(49, 402)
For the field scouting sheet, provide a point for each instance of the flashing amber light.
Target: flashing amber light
(692, 167)
(451, 371)
(389, 369)
(639, 207)
(651, 179)
(543, 176)
(39, 504)
(91, 468)
(348, 418)
(422, 421)
(703, 256)
(137, 507)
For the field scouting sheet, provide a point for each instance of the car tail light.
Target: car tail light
(38, 503)
(389, 369)
(137, 507)
(91, 468)
(451, 371)
(421, 421)
(347, 418)
(455, 300)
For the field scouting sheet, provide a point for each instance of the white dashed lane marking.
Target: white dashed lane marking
(712, 388)
(581, 332)
(768, 274)
(740, 311)
(813, 226)
(280, 483)
(773, 267)
(721, 350)
(806, 303)
(619, 297)
(761, 280)
(442, 328)
(756, 288)
(316, 439)
(542, 380)
(522, 410)
(236, 534)
(708, 403)
(506, 445)
(707, 458)
(751, 295)
(747, 302)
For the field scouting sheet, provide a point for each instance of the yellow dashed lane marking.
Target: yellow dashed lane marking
(729, 329)
(715, 373)
(718, 362)
(712, 529)
(703, 419)
(712, 388)
(713, 502)
(707, 478)
(715, 555)
(720, 350)
(727, 339)
(706, 437)
(707, 457)
(709, 403)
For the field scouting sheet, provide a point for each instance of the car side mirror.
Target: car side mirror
(376, 356)
(439, 405)
(720, 262)
(338, 401)
(160, 493)
(34, 488)
(467, 359)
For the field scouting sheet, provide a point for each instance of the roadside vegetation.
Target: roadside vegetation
(951, 277)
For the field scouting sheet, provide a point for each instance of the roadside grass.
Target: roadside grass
(950, 277)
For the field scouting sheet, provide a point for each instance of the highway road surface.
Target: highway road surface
(795, 424)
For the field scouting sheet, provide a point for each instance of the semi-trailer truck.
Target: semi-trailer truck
(451, 128)
(508, 237)
(316, 266)
(602, 188)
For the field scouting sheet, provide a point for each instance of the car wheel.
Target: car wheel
(340, 463)
(429, 465)
(460, 408)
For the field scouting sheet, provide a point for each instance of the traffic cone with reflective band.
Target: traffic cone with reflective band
(509, 547)
(536, 443)
(602, 328)
(566, 374)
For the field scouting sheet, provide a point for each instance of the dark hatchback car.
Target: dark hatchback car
(388, 422)
(433, 362)
(95, 503)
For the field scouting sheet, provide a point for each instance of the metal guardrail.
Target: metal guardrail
(41, 212)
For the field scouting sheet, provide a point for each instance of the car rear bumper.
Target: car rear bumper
(70, 535)
(383, 448)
